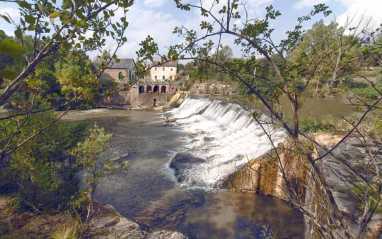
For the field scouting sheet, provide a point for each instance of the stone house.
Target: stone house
(122, 73)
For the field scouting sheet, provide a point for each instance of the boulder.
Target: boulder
(182, 161)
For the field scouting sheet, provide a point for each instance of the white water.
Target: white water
(224, 134)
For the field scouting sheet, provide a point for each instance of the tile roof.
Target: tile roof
(167, 64)
(123, 63)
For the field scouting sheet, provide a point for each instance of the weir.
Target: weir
(223, 134)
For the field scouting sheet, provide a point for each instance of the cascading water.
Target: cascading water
(223, 134)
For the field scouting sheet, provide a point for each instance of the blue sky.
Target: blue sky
(159, 17)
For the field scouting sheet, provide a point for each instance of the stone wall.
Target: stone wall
(113, 75)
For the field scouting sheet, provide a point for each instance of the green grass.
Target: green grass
(368, 92)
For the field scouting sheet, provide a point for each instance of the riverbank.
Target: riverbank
(107, 223)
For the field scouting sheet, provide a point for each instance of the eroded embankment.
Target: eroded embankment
(264, 175)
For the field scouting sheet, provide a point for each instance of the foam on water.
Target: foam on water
(225, 135)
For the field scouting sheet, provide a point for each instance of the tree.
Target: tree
(328, 51)
(255, 37)
(224, 54)
(88, 153)
(48, 29)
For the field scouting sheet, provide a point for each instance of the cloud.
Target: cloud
(144, 21)
(308, 3)
(365, 12)
(154, 3)
(14, 13)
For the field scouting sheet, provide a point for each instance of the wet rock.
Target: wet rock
(182, 161)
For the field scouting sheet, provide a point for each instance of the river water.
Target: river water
(150, 194)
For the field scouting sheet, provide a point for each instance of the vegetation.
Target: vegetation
(44, 68)
(87, 154)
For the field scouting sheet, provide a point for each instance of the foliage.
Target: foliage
(317, 125)
(174, 104)
(87, 154)
(73, 71)
(41, 169)
(367, 92)
(361, 191)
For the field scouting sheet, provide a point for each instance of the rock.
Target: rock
(374, 229)
(182, 161)
(165, 235)
(107, 223)
(167, 120)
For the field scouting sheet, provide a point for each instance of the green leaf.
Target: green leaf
(62, 52)
(19, 34)
(55, 14)
(24, 4)
(5, 18)
(11, 49)
(31, 27)
(8, 74)
(67, 46)
(29, 19)
(40, 7)
(2, 34)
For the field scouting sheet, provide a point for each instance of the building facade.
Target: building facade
(164, 72)
(144, 92)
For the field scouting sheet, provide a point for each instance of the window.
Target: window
(155, 77)
(171, 68)
(163, 77)
(170, 77)
(120, 76)
(163, 68)
(155, 68)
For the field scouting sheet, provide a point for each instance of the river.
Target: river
(150, 194)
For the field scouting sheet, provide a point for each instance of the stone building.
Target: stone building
(144, 92)
(122, 73)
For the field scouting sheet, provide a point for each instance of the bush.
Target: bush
(368, 93)
(41, 172)
(175, 104)
(352, 84)
(313, 126)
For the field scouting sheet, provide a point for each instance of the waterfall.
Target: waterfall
(223, 134)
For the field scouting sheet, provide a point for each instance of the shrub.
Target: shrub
(313, 126)
(41, 171)
(175, 104)
(368, 92)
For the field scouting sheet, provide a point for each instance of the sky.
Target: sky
(158, 18)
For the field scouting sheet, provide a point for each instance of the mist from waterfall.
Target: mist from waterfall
(224, 134)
